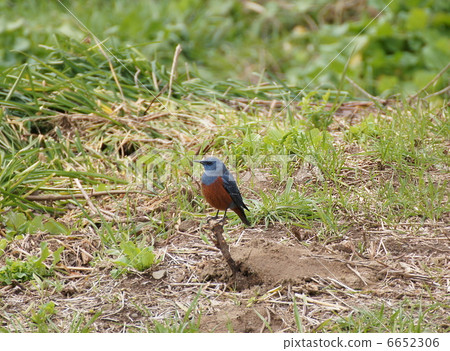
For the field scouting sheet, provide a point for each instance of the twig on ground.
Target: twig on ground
(307, 299)
(357, 273)
(165, 87)
(89, 202)
(442, 91)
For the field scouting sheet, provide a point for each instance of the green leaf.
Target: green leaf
(387, 83)
(384, 29)
(417, 19)
(129, 249)
(122, 261)
(15, 220)
(133, 256)
(3, 245)
(35, 225)
(45, 252)
(147, 258)
(54, 227)
(57, 255)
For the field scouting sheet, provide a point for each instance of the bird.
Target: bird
(220, 189)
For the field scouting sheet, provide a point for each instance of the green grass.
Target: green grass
(400, 50)
(16, 271)
(286, 206)
(407, 318)
(409, 141)
(41, 320)
(189, 323)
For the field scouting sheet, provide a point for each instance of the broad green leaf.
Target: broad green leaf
(147, 258)
(129, 249)
(54, 227)
(15, 220)
(35, 225)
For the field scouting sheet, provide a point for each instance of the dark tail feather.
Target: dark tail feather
(240, 212)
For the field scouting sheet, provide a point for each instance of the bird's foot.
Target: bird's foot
(223, 220)
(214, 218)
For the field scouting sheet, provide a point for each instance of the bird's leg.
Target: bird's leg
(224, 216)
(214, 217)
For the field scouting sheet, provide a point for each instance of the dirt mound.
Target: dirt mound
(268, 263)
(268, 268)
(276, 263)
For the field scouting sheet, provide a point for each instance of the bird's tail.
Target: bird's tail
(240, 212)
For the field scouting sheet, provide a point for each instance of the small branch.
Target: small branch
(85, 195)
(53, 197)
(156, 98)
(318, 302)
(357, 273)
(443, 91)
(365, 93)
(136, 79)
(72, 268)
(221, 244)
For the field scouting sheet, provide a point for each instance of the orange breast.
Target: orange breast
(216, 195)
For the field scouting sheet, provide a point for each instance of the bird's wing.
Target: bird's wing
(231, 187)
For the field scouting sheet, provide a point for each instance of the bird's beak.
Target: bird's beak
(198, 161)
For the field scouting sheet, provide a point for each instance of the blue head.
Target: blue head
(213, 168)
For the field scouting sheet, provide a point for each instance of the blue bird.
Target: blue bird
(220, 189)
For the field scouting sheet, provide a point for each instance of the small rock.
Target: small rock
(187, 225)
(159, 274)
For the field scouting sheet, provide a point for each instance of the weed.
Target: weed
(176, 324)
(80, 325)
(19, 224)
(32, 268)
(316, 115)
(140, 258)
(297, 317)
(286, 206)
(41, 319)
(407, 318)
